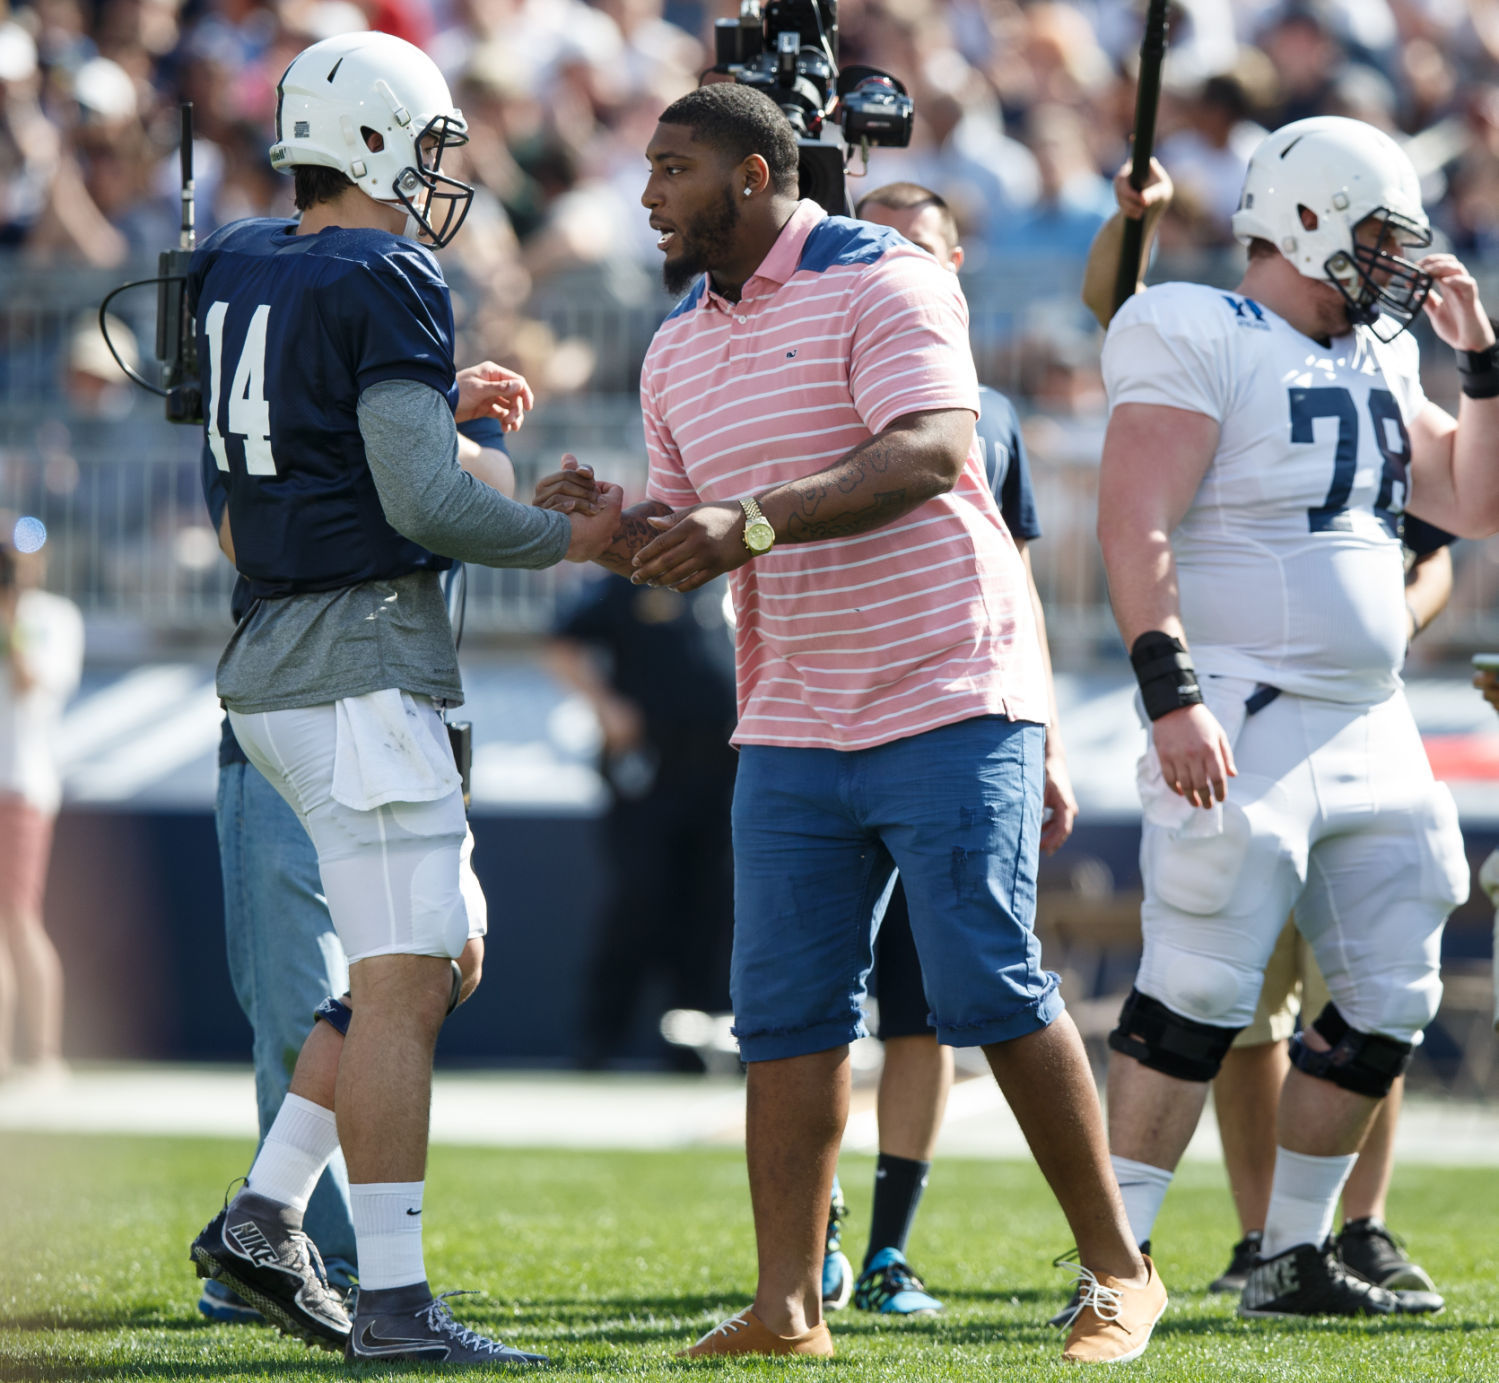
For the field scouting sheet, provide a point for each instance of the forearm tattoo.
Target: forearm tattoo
(855, 496)
(632, 534)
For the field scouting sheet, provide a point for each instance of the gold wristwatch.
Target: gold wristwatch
(759, 536)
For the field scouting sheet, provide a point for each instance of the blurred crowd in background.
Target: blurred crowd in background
(1023, 114)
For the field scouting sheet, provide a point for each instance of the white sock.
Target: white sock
(388, 1233)
(1144, 1188)
(297, 1148)
(1303, 1199)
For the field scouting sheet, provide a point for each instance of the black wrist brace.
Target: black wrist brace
(1167, 679)
(1478, 372)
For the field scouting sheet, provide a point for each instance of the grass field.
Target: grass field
(611, 1262)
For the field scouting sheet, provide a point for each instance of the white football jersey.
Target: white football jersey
(1289, 557)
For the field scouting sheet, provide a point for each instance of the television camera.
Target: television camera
(790, 52)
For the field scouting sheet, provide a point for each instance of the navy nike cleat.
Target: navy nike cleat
(409, 1323)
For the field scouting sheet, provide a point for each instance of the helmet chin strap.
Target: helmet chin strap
(412, 230)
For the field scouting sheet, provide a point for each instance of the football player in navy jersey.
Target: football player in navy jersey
(331, 402)
(918, 1072)
(284, 955)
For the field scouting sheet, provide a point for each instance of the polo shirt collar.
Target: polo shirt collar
(786, 254)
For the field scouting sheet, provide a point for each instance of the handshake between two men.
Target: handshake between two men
(650, 543)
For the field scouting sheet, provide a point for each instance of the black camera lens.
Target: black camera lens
(878, 112)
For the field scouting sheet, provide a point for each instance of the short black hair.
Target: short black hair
(912, 196)
(739, 121)
(312, 183)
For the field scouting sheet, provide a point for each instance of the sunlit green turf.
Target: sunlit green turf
(610, 1262)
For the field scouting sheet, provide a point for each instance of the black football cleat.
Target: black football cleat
(1368, 1247)
(274, 1267)
(1309, 1281)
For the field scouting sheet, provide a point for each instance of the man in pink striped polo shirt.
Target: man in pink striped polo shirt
(809, 413)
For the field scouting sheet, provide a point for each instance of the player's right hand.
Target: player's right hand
(571, 489)
(1158, 190)
(1196, 759)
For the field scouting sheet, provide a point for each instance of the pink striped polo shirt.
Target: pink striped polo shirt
(849, 642)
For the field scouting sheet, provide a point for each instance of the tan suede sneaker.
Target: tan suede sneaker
(1115, 1320)
(746, 1333)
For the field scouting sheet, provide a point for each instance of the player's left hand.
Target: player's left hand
(1456, 314)
(487, 390)
(694, 545)
(1057, 798)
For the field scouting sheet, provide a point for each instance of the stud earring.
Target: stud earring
(747, 191)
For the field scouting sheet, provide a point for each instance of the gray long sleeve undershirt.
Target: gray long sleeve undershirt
(320, 646)
(412, 449)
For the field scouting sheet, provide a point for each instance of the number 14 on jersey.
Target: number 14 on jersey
(249, 409)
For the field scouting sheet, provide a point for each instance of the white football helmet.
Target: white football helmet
(337, 92)
(1343, 172)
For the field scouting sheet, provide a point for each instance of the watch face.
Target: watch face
(758, 537)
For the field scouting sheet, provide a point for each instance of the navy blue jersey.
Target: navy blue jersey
(291, 330)
(1007, 465)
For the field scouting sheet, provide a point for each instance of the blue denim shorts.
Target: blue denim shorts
(818, 835)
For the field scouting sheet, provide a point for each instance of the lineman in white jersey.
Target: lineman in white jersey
(1261, 447)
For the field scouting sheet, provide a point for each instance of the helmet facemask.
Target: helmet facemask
(1382, 288)
(425, 190)
(1340, 200)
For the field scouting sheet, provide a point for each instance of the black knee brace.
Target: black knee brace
(1364, 1062)
(457, 988)
(1166, 1042)
(335, 1013)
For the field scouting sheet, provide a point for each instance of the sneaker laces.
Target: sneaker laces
(1337, 1270)
(308, 1251)
(438, 1316)
(305, 1257)
(1107, 1302)
(899, 1276)
(732, 1326)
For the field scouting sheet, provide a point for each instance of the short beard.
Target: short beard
(706, 240)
